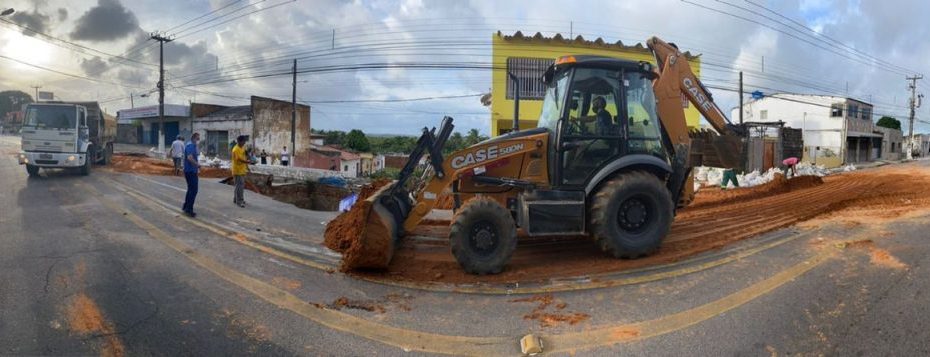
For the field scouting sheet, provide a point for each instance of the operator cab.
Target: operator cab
(598, 109)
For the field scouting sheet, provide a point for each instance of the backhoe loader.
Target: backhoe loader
(609, 159)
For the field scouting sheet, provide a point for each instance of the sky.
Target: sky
(355, 57)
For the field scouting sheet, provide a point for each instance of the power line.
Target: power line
(65, 73)
(55, 40)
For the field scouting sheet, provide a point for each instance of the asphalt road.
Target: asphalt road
(105, 265)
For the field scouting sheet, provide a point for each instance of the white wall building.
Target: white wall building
(836, 130)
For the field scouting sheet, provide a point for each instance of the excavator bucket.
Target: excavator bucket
(380, 218)
(369, 233)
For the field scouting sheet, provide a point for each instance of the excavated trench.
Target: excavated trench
(715, 220)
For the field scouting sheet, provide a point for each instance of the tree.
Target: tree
(889, 122)
(356, 140)
(473, 137)
(12, 101)
(455, 143)
(334, 137)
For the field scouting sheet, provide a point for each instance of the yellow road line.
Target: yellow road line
(412, 340)
(490, 290)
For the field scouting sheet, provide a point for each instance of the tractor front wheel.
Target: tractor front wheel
(483, 236)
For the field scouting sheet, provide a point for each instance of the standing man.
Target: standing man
(191, 167)
(240, 165)
(177, 154)
(285, 157)
(264, 157)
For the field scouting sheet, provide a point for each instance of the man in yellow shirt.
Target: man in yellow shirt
(239, 167)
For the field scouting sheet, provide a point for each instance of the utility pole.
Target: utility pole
(910, 130)
(294, 113)
(741, 97)
(132, 104)
(161, 88)
(37, 93)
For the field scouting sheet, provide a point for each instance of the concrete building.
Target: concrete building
(140, 125)
(921, 145)
(527, 57)
(265, 122)
(836, 130)
(345, 163)
(892, 144)
(366, 163)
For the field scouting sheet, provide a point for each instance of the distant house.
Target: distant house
(836, 130)
(331, 158)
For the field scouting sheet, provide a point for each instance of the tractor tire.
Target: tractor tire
(32, 170)
(483, 236)
(88, 163)
(631, 214)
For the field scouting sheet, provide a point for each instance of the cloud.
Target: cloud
(33, 20)
(62, 14)
(94, 67)
(107, 21)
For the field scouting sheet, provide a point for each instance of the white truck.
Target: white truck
(69, 135)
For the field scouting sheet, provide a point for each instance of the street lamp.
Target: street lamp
(7, 12)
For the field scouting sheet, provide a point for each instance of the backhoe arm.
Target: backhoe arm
(677, 79)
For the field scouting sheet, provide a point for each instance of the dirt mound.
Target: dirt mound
(714, 196)
(888, 193)
(150, 166)
(346, 232)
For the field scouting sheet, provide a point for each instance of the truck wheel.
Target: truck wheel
(88, 162)
(631, 214)
(483, 236)
(108, 154)
(32, 170)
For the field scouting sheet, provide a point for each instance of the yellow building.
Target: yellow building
(528, 57)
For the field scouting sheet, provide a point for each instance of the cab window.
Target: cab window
(643, 132)
(592, 132)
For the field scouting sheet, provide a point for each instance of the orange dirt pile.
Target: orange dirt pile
(878, 256)
(714, 196)
(362, 244)
(548, 319)
(151, 166)
(85, 318)
(716, 220)
(344, 302)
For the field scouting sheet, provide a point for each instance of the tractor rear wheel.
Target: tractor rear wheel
(483, 236)
(631, 214)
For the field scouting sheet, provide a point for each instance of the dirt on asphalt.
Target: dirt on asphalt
(140, 164)
(716, 219)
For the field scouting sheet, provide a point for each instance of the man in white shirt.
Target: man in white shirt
(177, 153)
(285, 157)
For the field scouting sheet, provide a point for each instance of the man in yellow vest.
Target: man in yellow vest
(239, 167)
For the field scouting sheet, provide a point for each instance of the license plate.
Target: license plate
(45, 156)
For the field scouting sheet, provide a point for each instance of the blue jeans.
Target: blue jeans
(192, 180)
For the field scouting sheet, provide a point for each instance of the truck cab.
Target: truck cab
(63, 135)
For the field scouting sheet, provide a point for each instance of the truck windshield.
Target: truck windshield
(51, 117)
(553, 102)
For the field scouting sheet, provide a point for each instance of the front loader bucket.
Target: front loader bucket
(373, 229)
(368, 234)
